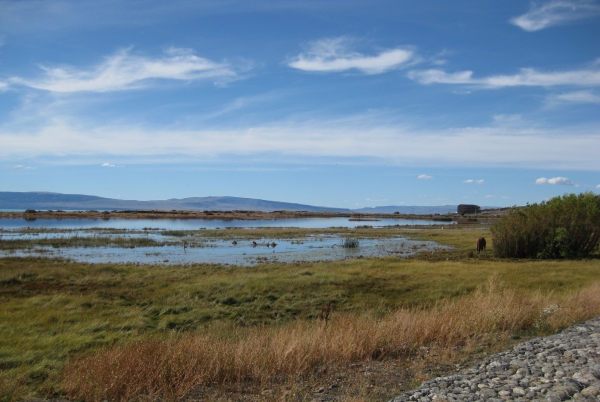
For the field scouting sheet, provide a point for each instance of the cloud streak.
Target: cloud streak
(575, 97)
(528, 77)
(424, 177)
(560, 181)
(124, 71)
(334, 55)
(557, 12)
(471, 181)
(19, 167)
(515, 145)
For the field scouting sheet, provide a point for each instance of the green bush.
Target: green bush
(563, 227)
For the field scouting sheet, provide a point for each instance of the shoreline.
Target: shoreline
(237, 215)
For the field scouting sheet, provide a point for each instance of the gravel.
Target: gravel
(560, 367)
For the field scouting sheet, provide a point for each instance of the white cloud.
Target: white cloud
(123, 71)
(526, 77)
(424, 177)
(106, 164)
(490, 196)
(575, 97)
(561, 181)
(19, 167)
(441, 77)
(334, 55)
(556, 12)
(362, 136)
(598, 186)
(471, 181)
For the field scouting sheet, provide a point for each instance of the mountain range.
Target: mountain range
(47, 200)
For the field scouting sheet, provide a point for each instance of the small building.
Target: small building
(468, 209)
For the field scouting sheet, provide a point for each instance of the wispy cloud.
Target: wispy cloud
(19, 167)
(561, 181)
(361, 136)
(123, 71)
(471, 181)
(598, 186)
(335, 55)
(526, 77)
(424, 177)
(575, 97)
(556, 12)
(108, 165)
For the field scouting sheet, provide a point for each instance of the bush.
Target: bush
(564, 227)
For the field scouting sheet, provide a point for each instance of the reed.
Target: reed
(350, 242)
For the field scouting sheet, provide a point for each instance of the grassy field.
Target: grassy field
(56, 314)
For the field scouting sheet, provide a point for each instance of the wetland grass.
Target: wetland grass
(350, 242)
(55, 314)
(173, 367)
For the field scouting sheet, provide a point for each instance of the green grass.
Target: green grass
(51, 310)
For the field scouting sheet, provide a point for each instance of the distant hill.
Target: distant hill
(44, 201)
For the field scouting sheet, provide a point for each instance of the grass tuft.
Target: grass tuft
(350, 242)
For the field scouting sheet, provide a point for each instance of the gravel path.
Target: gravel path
(560, 367)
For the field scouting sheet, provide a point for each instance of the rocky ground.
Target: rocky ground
(561, 367)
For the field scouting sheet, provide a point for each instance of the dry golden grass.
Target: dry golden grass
(171, 368)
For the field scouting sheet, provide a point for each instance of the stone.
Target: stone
(591, 391)
(565, 366)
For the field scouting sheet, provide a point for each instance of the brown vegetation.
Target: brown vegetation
(173, 367)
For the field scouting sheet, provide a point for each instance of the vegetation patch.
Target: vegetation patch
(65, 324)
(563, 227)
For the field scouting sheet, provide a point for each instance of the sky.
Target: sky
(349, 103)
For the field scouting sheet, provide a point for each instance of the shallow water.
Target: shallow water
(195, 248)
(194, 224)
(312, 248)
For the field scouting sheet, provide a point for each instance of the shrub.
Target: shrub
(563, 227)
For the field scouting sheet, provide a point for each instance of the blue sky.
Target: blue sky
(339, 103)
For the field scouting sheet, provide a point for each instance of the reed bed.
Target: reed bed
(563, 227)
(171, 368)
